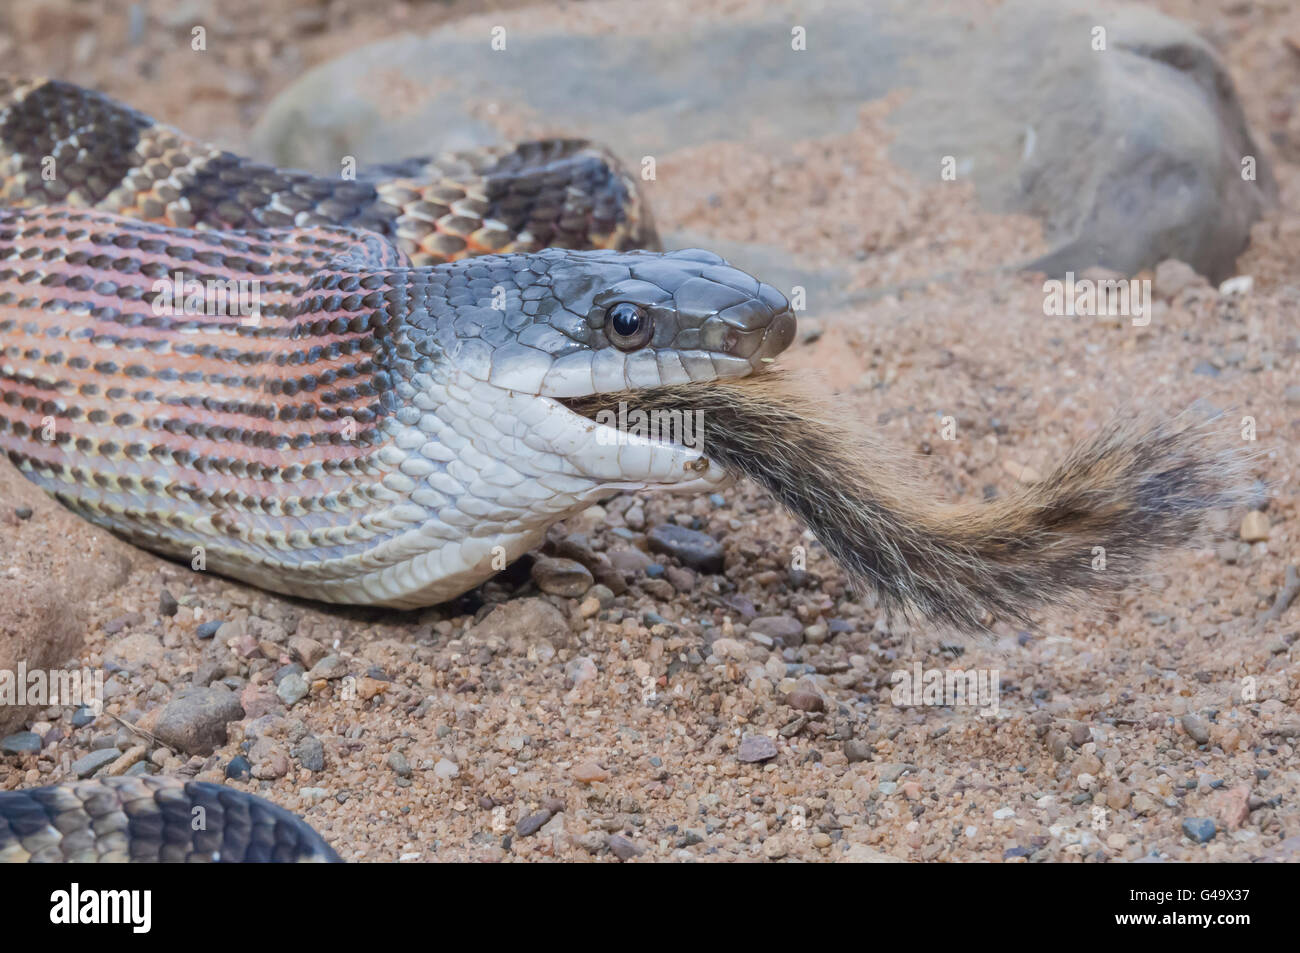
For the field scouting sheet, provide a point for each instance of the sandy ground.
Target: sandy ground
(620, 726)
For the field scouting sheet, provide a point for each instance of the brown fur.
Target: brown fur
(1136, 487)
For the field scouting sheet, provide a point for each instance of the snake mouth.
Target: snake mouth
(699, 425)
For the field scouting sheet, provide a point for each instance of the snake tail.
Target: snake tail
(152, 819)
(1138, 486)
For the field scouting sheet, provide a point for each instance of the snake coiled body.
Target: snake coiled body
(151, 820)
(61, 144)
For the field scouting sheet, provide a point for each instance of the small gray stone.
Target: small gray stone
(692, 548)
(22, 742)
(629, 560)
(536, 618)
(400, 766)
(329, 668)
(1199, 829)
(310, 753)
(780, 627)
(88, 764)
(1196, 728)
(856, 750)
(195, 720)
(207, 630)
(533, 823)
(622, 848)
(892, 771)
(561, 577)
(167, 604)
(755, 748)
(292, 688)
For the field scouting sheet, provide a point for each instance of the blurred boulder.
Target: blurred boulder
(1116, 126)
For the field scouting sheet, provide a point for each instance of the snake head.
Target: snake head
(534, 336)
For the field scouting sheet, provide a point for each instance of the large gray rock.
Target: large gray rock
(1130, 155)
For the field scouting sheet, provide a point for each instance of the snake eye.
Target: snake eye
(628, 325)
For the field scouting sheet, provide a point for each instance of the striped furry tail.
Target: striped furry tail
(1134, 489)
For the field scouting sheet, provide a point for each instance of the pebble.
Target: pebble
(630, 561)
(83, 716)
(207, 630)
(308, 651)
(270, 762)
(622, 848)
(535, 616)
(692, 548)
(310, 753)
(755, 748)
(774, 848)
(167, 604)
(580, 669)
(1199, 829)
(561, 577)
(589, 772)
(533, 823)
(1238, 285)
(23, 512)
(805, 701)
(329, 668)
(683, 580)
(1196, 728)
(22, 742)
(446, 769)
(239, 768)
(292, 688)
(782, 628)
(1254, 527)
(129, 759)
(257, 701)
(399, 765)
(88, 764)
(891, 771)
(856, 751)
(195, 722)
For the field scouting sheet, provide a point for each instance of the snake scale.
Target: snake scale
(380, 422)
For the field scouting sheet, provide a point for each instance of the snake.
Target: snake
(345, 388)
(382, 389)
